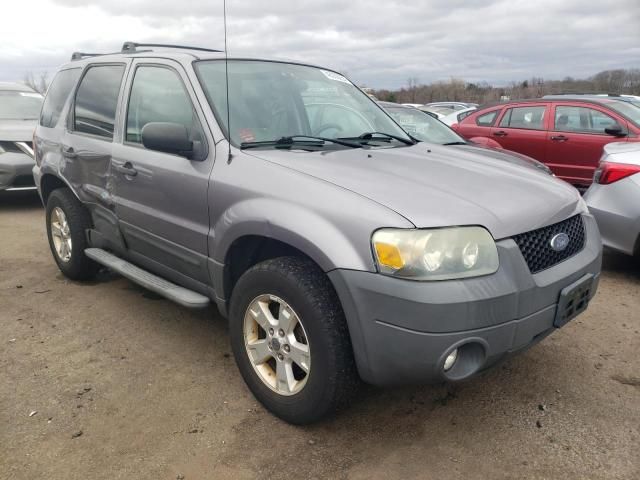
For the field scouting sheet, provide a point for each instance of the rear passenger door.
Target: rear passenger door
(576, 140)
(478, 124)
(87, 143)
(161, 198)
(522, 129)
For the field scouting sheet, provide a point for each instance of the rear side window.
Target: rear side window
(531, 118)
(158, 95)
(57, 96)
(97, 100)
(463, 115)
(487, 119)
(582, 119)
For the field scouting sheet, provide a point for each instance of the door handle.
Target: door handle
(126, 169)
(559, 138)
(69, 152)
(500, 133)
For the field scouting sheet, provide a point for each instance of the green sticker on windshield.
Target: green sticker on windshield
(335, 76)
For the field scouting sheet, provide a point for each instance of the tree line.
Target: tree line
(621, 81)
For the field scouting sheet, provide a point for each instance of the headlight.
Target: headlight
(435, 254)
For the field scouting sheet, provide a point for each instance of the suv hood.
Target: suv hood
(438, 186)
(17, 130)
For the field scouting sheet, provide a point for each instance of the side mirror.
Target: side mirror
(167, 137)
(616, 130)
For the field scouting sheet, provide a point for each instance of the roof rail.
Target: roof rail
(587, 94)
(81, 55)
(130, 47)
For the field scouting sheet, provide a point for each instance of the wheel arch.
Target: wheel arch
(50, 182)
(255, 230)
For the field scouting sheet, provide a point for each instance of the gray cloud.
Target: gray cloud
(379, 44)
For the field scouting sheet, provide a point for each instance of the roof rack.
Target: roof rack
(586, 94)
(130, 47)
(81, 55)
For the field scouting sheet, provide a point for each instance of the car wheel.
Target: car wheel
(290, 340)
(67, 221)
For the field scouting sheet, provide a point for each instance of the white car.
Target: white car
(457, 116)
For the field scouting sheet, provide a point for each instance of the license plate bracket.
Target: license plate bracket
(573, 300)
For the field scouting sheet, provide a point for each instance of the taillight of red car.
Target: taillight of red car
(610, 172)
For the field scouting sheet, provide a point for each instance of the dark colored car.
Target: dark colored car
(565, 133)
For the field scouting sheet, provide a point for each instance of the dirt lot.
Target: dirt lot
(128, 385)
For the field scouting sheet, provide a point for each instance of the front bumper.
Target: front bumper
(15, 171)
(402, 330)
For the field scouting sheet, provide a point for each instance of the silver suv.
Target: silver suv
(338, 246)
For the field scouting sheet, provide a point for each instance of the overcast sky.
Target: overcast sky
(376, 43)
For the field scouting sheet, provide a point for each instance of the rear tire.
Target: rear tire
(278, 290)
(67, 221)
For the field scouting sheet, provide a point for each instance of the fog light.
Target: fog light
(450, 360)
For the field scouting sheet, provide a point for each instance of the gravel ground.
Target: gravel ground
(125, 384)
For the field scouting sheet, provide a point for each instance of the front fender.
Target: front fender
(324, 242)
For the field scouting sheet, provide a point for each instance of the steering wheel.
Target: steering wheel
(327, 126)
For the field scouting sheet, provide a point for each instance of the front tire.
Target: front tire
(67, 222)
(290, 340)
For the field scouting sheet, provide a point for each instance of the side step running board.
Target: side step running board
(183, 296)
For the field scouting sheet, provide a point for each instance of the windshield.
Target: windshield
(631, 110)
(423, 126)
(272, 100)
(19, 105)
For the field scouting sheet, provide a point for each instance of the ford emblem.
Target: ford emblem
(559, 242)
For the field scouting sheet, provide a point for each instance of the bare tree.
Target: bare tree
(412, 86)
(608, 81)
(39, 84)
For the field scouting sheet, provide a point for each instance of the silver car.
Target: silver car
(19, 111)
(339, 247)
(614, 197)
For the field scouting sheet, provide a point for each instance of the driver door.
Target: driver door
(161, 199)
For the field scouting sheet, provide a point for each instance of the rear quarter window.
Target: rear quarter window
(97, 100)
(487, 119)
(57, 96)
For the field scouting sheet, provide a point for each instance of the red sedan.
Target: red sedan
(566, 134)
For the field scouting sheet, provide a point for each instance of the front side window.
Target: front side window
(158, 95)
(582, 120)
(16, 105)
(57, 96)
(487, 119)
(97, 100)
(631, 110)
(530, 118)
(272, 100)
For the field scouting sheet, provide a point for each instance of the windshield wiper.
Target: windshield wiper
(370, 135)
(305, 140)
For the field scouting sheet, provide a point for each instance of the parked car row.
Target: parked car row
(567, 132)
(599, 150)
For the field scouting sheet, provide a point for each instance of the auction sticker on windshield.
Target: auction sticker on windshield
(335, 76)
